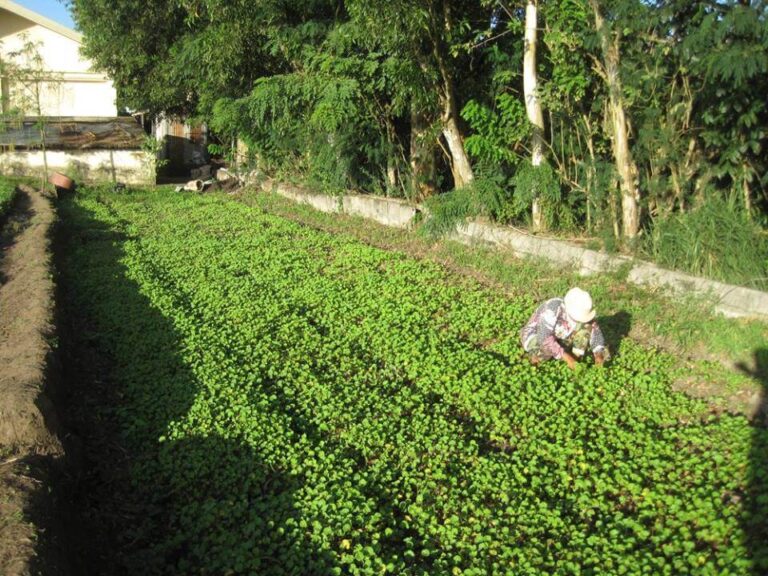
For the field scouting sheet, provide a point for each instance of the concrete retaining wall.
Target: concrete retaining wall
(730, 300)
(387, 211)
(129, 166)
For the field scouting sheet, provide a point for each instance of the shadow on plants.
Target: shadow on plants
(756, 502)
(225, 510)
(138, 499)
(615, 328)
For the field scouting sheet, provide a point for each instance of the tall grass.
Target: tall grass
(717, 240)
(485, 196)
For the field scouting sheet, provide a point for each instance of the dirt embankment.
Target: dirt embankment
(30, 450)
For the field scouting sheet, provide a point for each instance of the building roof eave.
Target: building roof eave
(41, 20)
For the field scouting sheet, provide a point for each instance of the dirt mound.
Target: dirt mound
(28, 426)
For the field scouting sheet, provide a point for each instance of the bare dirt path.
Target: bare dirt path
(29, 445)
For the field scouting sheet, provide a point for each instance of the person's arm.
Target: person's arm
(598, 346)
(545, 333)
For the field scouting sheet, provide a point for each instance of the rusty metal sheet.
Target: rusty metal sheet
(119, 133)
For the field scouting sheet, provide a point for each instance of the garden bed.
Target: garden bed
(291, 401)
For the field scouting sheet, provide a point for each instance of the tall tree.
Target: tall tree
(426, 33)
(610, 70)
(533, 101)
(727, 55)
(180, 56)
(131, 41)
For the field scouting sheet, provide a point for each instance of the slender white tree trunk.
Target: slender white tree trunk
(532, 102)
(625, 164)
(630, 194)
(747, 196)
(460, 166)
(392, 179)
(591, 171)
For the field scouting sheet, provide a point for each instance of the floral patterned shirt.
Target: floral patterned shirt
(549, 326)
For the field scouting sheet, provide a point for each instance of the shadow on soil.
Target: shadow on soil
(756, 520)
(13, 224)
(138, 505)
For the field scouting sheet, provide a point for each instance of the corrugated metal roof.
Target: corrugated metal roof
(118, 133)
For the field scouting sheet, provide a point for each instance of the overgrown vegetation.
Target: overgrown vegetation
(297, 402)
(715, 239)
(484, 197)
(417, 98)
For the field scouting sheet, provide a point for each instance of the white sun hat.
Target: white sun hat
(578, 305)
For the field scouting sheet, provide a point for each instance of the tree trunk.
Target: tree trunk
(612, 207)
(747, 197)
(241, 152)
(630, 195)
(392, 172)
(461, 169)
(423, 152)
(391, 175)
(5, 92)
(625, 165)
(532, 103)
(41, 121)
(591, 170)
(45, 157)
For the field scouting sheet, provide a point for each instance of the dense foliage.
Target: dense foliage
(713, 240)
(296, 402)
(410, 98)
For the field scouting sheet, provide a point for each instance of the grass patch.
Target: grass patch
(716, 240)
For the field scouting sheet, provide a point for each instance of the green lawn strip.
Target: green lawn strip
(681, 325)
(7, 192)
(455, 455)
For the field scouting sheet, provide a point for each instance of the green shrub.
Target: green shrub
(485, 196)
(716, 240)
(531, 182)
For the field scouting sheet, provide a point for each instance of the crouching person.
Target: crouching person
(564, 329)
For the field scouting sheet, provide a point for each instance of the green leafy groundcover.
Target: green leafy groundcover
(301, 403)
(7, 192)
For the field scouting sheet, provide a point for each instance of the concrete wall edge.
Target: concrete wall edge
(728, 299)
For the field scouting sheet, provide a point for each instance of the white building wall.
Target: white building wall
(85, 98)
(74, 90)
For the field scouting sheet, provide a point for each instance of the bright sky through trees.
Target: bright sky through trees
(56, 10)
